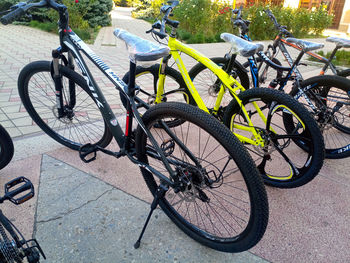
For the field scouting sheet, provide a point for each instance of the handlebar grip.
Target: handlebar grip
(12, 16)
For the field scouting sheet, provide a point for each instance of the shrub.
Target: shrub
(97, 12)
(203, 17)
(6, 4)
(146, 8)
(122, 3)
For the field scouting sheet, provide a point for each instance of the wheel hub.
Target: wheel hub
(325, 120)
(68, 114)
(191, 183)
(213, 90)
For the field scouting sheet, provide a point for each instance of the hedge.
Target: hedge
(201, 21)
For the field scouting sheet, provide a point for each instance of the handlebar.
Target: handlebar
(21, 8)
(12, 16)
(238, 21)
(167, 10)
(282, 29)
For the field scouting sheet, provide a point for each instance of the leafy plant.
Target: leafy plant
(205, 17)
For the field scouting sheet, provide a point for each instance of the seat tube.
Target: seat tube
(129, 114)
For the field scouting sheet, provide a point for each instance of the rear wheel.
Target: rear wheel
(331, 97)
(220, 200)
(280, 160)
(82, 122)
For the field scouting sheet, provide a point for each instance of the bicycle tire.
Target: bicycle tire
(279, 73)
(208, 85)
(6, 147)
(173, 76)
(335, 126)
(72, 131)
(290, 165)
(344, 73)
(249, 178)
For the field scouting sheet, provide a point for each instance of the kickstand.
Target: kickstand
(160, 193)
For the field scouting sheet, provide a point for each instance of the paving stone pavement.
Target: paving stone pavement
(94, 212)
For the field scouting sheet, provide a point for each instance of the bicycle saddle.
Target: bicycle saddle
(341, 42)
(239, 45)
(140, 49)
(305, 45)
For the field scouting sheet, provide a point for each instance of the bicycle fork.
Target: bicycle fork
(57, 78)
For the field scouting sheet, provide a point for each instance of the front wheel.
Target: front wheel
(82, 122)
(208, 84)
(277, 153)
(146, 82)
(6, 147)
(266, 73)
(220, 200)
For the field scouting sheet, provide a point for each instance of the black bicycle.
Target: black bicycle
(14, 248)
(197, 170)
(280, 43)
(6, 147)
(326, 97)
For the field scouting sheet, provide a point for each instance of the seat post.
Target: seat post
(296, 62)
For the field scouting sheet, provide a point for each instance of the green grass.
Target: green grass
(342, 57)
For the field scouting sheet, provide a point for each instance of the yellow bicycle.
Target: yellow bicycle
(271, 124)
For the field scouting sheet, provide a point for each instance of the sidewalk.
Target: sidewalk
(95, 212)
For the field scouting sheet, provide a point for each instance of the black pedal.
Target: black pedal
(88, 149)
(18, 186)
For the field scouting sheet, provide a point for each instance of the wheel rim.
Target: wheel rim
(280, 157)
(227, 214)
(81, 124)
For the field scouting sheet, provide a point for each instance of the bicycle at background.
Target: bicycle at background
(326, 97)
(256, 116)
(190, 162)
(280, 42)
(14, 248)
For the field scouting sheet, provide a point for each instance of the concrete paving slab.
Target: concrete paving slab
(105, 222)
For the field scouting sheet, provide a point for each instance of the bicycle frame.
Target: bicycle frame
(292, 69)
(73, 44)
(327, 62)
(227, 82)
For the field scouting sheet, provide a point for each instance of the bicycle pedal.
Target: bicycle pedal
(18, 186)
(86, 150)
